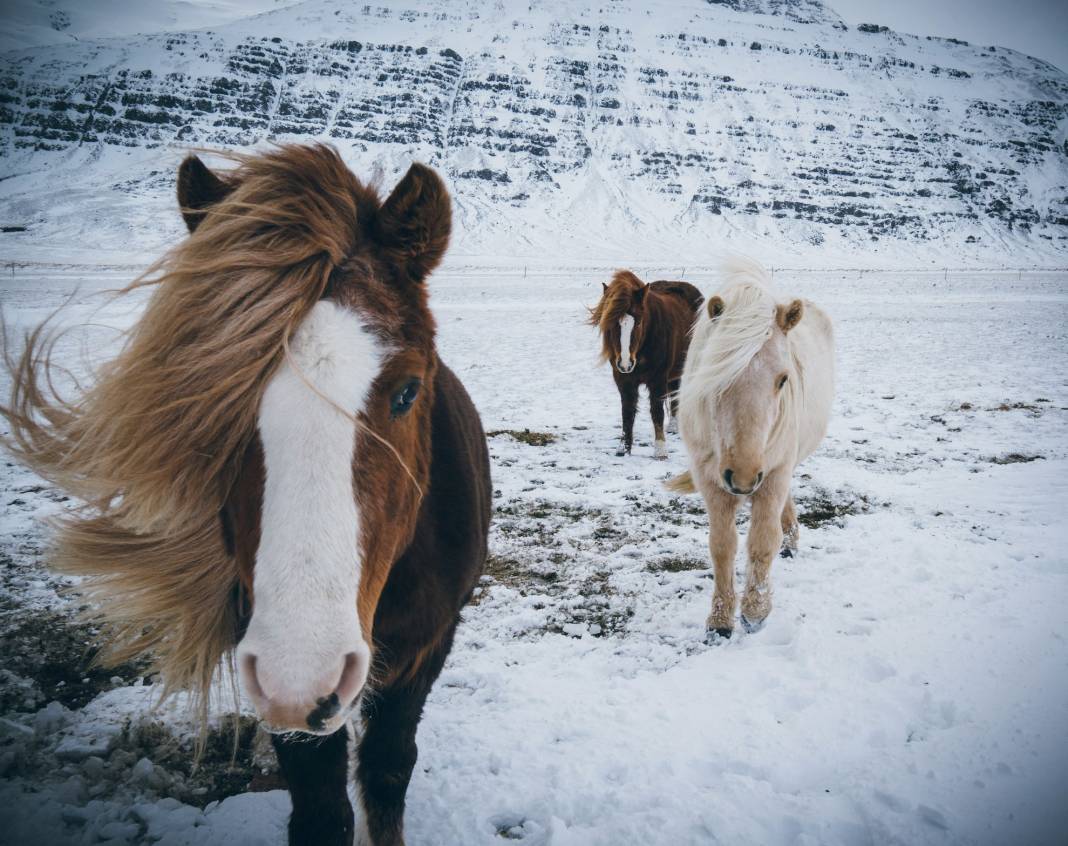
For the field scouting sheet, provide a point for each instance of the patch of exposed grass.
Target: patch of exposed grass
(1015, 458)
(677, 511)
(676, 565)
(58, 654)
(510, 571)
(600, 620)
(607, 529)
(823, 507)
(225, 768)
(541, 509)
(539, 520)
(598, 612)
(525, 436)
(1030, 408)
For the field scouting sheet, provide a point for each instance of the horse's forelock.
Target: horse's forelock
(616, 300)
(722, 347)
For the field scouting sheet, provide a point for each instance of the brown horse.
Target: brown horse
(644, 335)
(278, 467)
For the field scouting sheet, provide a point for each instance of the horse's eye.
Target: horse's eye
(781, 382)
(402, 401)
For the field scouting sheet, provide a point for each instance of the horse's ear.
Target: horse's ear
(604, 288)
(198, 188)
(788, 316)
(415, 221)
(715, 306)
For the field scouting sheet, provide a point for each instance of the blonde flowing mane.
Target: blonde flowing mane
(152, 446)
(722, 348)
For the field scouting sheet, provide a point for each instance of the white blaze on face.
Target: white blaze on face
(307, 570)
(626, 326)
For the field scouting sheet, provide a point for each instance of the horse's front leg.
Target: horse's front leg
(657, 396)
(723, 545)
(673, 406)
(628, 398)
(388, 751)
(317, 771)
(765, 539)
(791, 529)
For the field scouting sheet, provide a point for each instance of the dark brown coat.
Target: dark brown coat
(663, 313)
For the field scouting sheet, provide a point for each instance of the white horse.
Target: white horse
(754, 401)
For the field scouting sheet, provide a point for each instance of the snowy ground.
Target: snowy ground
(911, 685)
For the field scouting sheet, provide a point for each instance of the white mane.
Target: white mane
(721, 349)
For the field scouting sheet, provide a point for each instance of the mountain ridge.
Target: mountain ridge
(764, 125)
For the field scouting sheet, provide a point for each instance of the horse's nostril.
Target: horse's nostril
(353, 676)
(326, 708)
(728, 477)
(760, 477)
(252, 684)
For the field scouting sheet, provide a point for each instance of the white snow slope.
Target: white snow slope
(910, 686)
(596, 131)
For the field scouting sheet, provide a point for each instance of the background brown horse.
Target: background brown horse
(644, 336)
(278, 462)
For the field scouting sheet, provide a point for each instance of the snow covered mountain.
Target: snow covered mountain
(601, 130)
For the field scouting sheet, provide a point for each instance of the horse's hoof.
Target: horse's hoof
(789, 541)
(714, 636)
(752, 626)
(620, 452)
(660, 451)
(673, 427)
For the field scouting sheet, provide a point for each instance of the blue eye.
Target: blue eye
(402, 401)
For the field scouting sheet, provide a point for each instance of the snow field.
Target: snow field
(909, 686)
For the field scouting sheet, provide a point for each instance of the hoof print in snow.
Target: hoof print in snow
(515, 827)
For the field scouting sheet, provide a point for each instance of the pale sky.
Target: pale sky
(1036, 27)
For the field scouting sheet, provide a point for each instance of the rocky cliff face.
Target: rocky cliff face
(592, 129)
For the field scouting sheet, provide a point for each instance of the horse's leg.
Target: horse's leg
(657, 396)
(791, 529)
(673, 406)
(723, 545)
(388, 751)
(765, 539)
(628, 397)
(317, 771)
